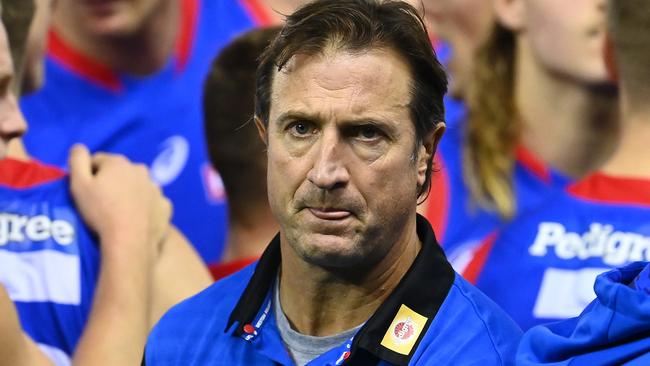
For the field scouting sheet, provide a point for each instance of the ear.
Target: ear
(511, 14)
(261, 129)
(610, 59)
(427, 150)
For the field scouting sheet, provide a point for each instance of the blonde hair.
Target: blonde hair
(493, 124)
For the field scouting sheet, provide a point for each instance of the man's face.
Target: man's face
(343, 174)
(567, 37)
(113, 18)
(12, 123)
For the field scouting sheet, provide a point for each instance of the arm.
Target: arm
(16, 348)
(120, 203)
(178, 274)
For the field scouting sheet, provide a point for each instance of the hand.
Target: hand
(118, 200)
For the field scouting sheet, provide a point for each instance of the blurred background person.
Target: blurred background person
(541, 266)
(89, 277)
(125, 77)
(460, 28)
(237, 151)
(540, 112)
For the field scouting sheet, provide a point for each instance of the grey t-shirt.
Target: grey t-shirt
(304, 348)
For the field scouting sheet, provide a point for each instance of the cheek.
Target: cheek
(285, 174)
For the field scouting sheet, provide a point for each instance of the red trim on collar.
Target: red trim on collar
(221, 270)
(600, 187)
(533, 163)
(186, 35)
(98, 73)
(81, 64)
(258, 12)
(26, 174)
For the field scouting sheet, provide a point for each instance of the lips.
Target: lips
(330, 213)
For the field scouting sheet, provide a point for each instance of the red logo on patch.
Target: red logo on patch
(404, 330)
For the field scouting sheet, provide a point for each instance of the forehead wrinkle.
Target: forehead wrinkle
(351, 93)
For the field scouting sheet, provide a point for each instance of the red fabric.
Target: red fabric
(25, 174)
(475, 266)
(600, 187)
(437, 209)
(533, 163)
(221, 270)
(257, 11)
(184, 43)
(98, 73)
(81, 64)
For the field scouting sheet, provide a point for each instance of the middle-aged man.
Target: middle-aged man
(349, 103)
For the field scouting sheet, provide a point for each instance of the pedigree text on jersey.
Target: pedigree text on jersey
(601, 240)
(16, 228)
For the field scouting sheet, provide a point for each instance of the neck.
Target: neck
(633, 151)
(311, 296)
(16, 150)
(567, 124)
(249, 233)
(141, 52)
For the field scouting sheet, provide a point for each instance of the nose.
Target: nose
(329, 170)
(12, 122)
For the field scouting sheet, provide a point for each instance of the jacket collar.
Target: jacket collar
(423, 290)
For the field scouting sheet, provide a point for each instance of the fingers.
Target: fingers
(79, 162)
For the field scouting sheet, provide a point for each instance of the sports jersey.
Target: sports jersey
(232, 322)
(613, 330)
(459, 222)
(156, 120)
(542, 265)
(49, 261)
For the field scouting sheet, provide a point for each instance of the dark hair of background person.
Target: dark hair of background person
(628, 23)
(234, 145)
(357, 26)
(17, 17)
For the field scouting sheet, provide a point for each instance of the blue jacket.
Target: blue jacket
(450, 322)
(613, 330)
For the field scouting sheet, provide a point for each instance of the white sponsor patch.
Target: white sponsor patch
(614, 247)
(59, 357)
(43, 275)
(565, 293)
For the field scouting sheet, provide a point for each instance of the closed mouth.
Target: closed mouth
(329, 213)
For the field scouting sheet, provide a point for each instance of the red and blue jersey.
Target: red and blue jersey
(458, 220)
(541, 267)
(156, 120)
(49, 261)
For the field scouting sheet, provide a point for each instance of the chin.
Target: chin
(329, 251)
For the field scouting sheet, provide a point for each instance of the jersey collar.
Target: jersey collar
(601, 187)
(96, 72)
(423, 289)
(20, 174)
